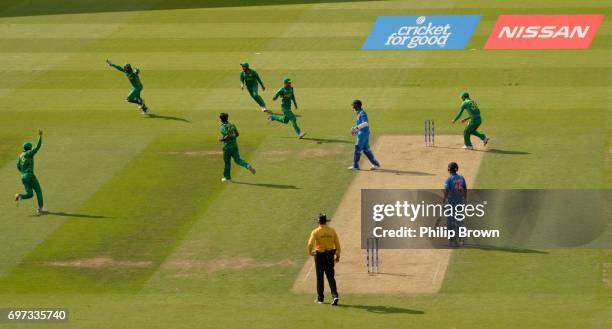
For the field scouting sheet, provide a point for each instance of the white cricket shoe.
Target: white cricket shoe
(468, 147)
(42, 211)
(251, 169)
(17, 199)
(229, 180)
(263, 109)
(374, 167)
(302, 134)
(485, 141)
(352, 168)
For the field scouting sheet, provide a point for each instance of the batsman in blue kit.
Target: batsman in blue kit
(362, 144)
(455, 193)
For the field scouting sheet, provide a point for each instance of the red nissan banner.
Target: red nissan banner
(543, 31)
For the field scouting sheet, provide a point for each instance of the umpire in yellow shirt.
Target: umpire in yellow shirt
(324, 245)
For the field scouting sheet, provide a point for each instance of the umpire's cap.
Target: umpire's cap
(322, 218)
(357, 103)
(453, 166)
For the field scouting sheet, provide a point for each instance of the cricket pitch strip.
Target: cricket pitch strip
(406, 164)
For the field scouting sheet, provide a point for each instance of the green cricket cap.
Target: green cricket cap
(465, 94)
(27, 145)
(287, 80)
(245, 64)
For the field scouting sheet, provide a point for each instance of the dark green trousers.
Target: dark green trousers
(229, 152)
(471, 129)
(31, 184)
(134, 95)
(287, 117)
(253, 91)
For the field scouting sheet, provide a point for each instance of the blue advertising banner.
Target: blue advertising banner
(422, 32)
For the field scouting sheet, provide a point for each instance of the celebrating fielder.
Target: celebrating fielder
(132, 75)
(25, 165)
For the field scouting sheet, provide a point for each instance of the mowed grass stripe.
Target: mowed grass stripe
(285, 60)
(419, 77)
(179, 45)
(148, 207)
(171, 102)
(182, 45)
(228, 30)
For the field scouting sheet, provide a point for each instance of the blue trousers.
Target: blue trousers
(453, 225)
(363, 145)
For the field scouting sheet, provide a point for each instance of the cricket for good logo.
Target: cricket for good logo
(543, 31)
(421, 32)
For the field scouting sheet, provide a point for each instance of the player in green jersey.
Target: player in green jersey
(132, 75)
(229, 133)
(287, 94)
(25, 165)
(474, 118)
(251, 80)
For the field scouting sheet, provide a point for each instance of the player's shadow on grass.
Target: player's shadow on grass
(498, 151)
(166, 117)
(279, 186)
(488, 150)
(504, 249)
(402, 172)
(64, 214)
(380, 309)
(324, 140)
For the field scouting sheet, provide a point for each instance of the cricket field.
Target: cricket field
(143, 234)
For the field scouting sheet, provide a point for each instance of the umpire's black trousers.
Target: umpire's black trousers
(324, 264)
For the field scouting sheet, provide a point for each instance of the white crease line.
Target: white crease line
(308, 273)
(436, 274)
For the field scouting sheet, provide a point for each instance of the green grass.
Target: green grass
(147, 189)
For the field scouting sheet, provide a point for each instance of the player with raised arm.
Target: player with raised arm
(133, 76)
(25, 165)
